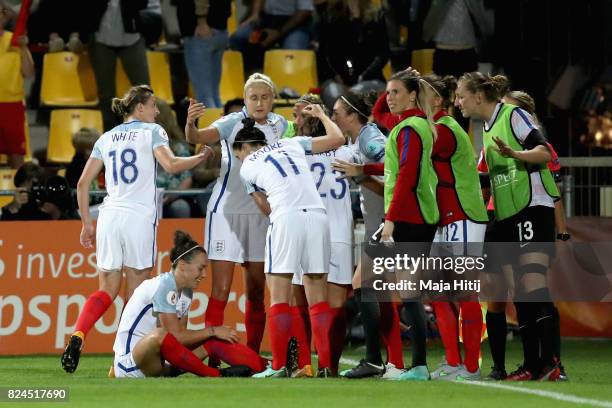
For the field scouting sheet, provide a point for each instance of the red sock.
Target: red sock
(235, 354)
(337, 335)
(94, 308)
(392, 336)
(214, 312)
(306, 319)
(446, 320)
(298, 330)
(279, 323)
(181, 357)
(320, 319)
(471, 330)
(255, 322)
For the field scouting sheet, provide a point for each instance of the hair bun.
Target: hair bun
(181, 238)
(249, 123)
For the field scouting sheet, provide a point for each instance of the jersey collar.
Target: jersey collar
(489, 123)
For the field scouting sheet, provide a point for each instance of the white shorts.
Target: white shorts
(124, 239)
(235, 237)
(340, 265)
(464, 237)
(125, 367)
(298, 242)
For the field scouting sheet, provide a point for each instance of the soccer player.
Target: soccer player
(524, 193)
(334, 192)
(410, 192)
(496, 311)
(234, 225)
(144, 348)
(278, 178)
(351, 113)
(125, 235)
(463, 219)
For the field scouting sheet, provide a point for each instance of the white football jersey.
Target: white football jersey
(334, 191)
(139, 317)
(228, 195)
(282, 172)
(131, 167)
(370, 148)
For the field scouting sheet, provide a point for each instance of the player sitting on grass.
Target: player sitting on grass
(142, 349)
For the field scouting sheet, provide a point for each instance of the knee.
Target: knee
(221, 291)
(496, 307)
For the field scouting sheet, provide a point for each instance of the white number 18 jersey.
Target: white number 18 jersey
(130, 166)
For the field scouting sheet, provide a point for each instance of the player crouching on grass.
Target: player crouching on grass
(144, 350)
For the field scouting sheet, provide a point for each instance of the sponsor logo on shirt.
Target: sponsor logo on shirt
(171, 297)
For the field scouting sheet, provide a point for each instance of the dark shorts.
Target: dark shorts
(533, 229)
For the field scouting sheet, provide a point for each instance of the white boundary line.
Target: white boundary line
(541, 393)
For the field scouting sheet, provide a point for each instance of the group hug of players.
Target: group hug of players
(281, 208)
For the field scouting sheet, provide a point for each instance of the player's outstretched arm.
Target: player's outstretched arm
(90, 172)
(174, 165)
(334, 137)
(194, 338)
(208, 135)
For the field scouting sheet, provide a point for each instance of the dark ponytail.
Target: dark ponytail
(185, 248)
(249, 134)
(360, 103)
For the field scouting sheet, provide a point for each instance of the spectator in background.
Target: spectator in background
(55, 198)
(353, 45)
(24, 206)
(83, 142)
(15, 65)
(454, 26)
(284, 22)
(151, 24)
(59, 24)
(174, 206)
(116, 24)
(203, 25)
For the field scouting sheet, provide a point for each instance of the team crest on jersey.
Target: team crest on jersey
(171, 297)
(219, 246)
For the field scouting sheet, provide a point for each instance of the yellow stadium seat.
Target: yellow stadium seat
(296, 69)
(387, 72)
(68, 80)
(6, 183)
(232, 21)
(28, 155)
(422, 61)
(286, 112)
(159, 74)
(232, 76)
(210, 115)
(64, 123)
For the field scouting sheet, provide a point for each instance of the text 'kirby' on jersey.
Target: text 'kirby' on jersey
(334, 191)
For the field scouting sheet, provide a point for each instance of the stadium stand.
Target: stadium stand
(64, 123)
(159, 72)
(68, 80)
(295, 69)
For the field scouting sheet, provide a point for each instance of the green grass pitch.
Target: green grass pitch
(587, 363)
